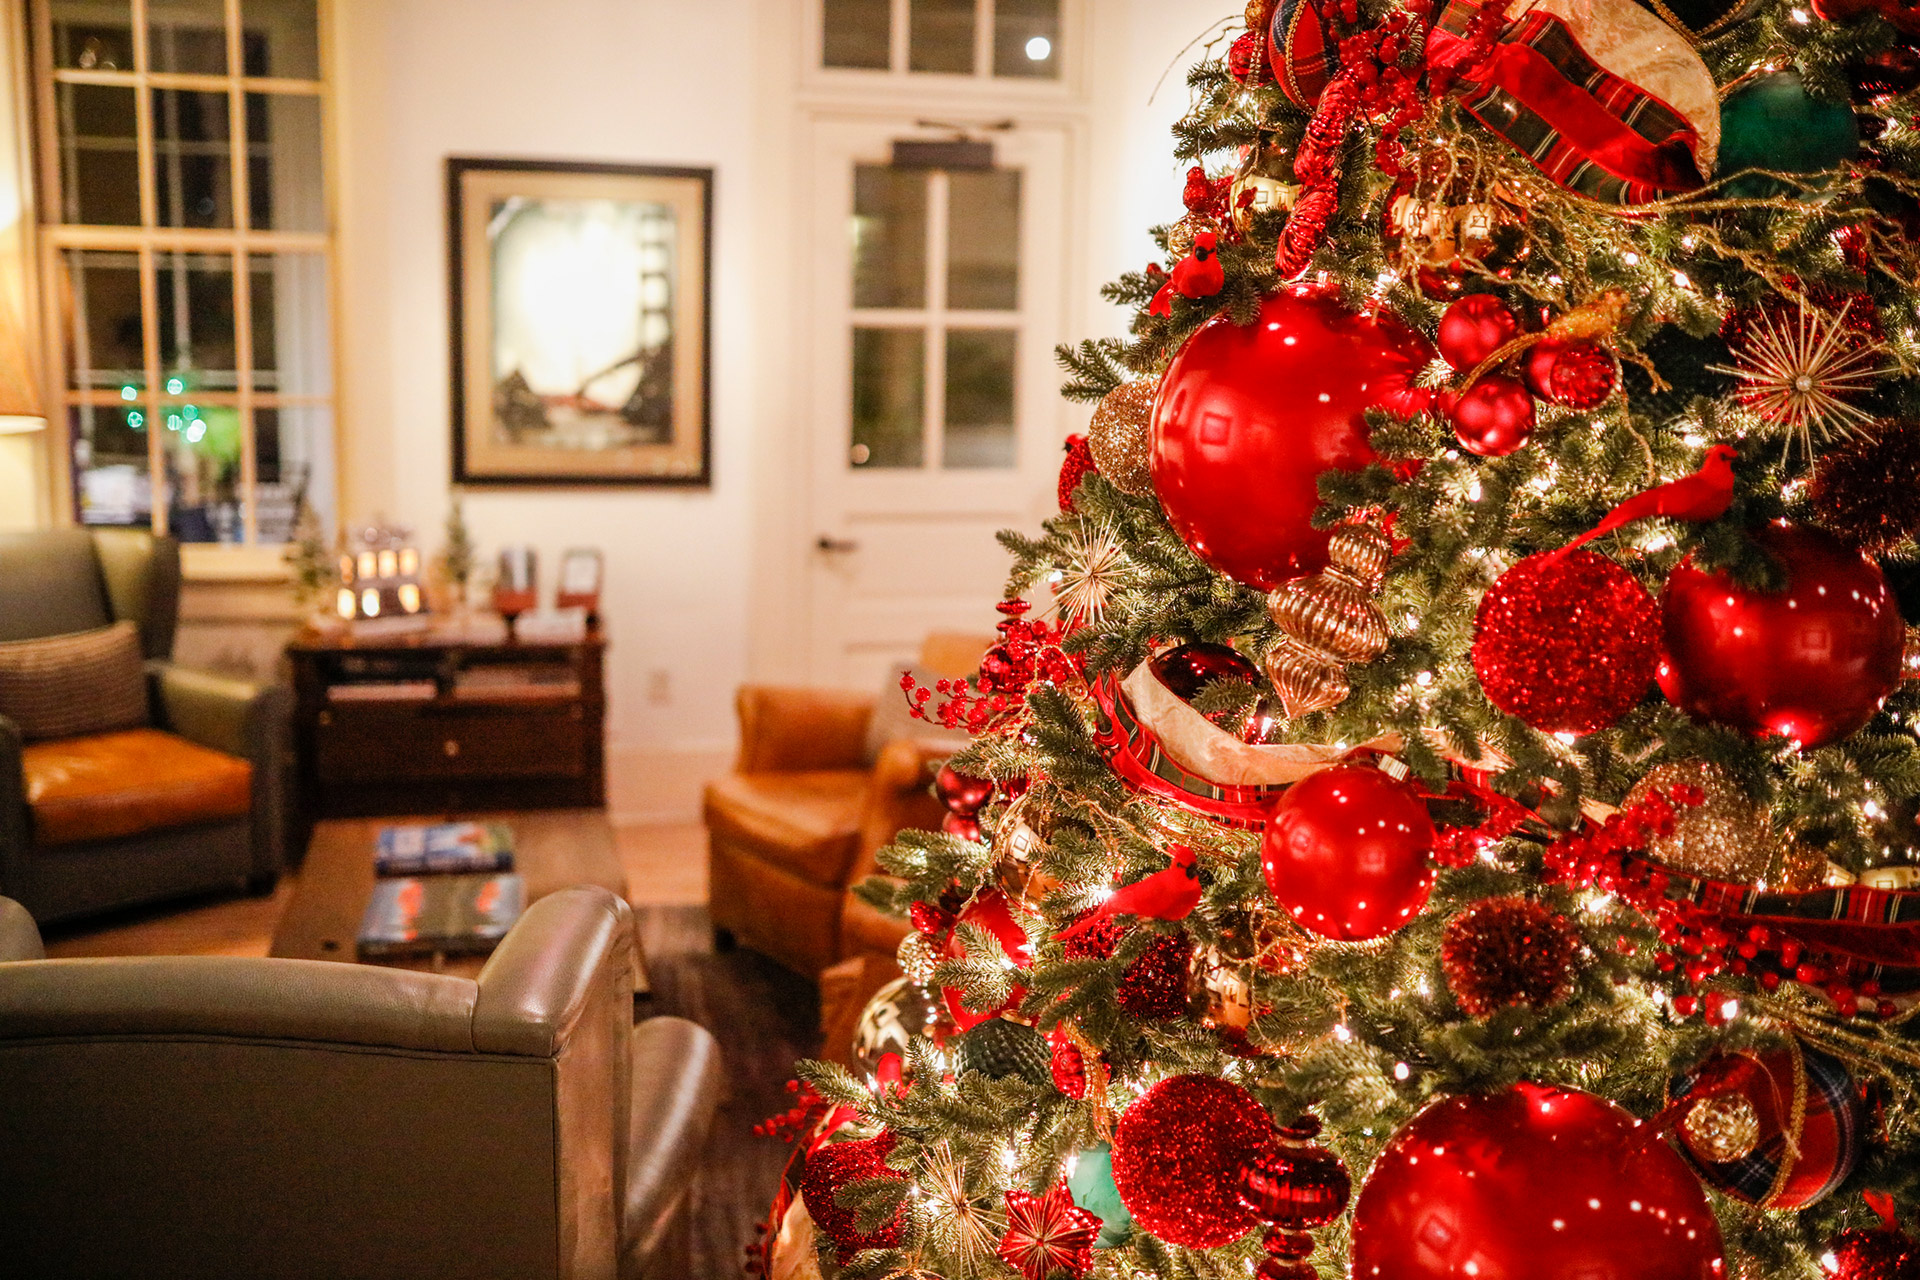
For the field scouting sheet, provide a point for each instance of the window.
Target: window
(184, 219)
(936, 317)
(1018, 39)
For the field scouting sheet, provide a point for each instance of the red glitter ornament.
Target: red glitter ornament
(1811, 662)
(1535, 1182)
(1068, 1065)
(1578, 373)
(1048, 1233)
(1349, 853)
(1153, 986)
(1504, 952)
(1876, 1253)
(1866, 492)
(1473, 328)
(1177, 1156)
(1078, 464)
(1567, 642)
(837, 1165)
(1491, 418)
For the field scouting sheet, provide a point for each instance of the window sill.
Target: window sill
(210, 562)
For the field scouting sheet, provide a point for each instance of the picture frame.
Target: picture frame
(580, 321)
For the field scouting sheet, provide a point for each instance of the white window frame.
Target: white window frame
(979, 82)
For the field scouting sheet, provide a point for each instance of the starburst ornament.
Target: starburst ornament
(1048, 1233)
(962, 1229)
(1094, 569)
(1802, 372)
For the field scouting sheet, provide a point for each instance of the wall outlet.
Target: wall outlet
(659, 687)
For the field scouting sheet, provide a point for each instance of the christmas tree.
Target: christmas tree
(1442, 801)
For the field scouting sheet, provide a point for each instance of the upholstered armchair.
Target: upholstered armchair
(188, 801)
(217, 1116)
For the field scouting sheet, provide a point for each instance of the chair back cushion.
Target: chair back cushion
(110, 785)
(50, 584)
(65, 686)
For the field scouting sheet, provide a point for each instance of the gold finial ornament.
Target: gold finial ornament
(1329, 619)
(1721, 1128)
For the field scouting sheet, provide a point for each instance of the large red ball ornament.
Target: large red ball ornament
(1473, 328)
(1493, 417)
(1566, 641)
(1532, 1183)
(1178, 1153)
(1348, 853)
(992, 912)
(1248, 416)
(1811, 662)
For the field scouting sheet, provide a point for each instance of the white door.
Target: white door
(933, 402)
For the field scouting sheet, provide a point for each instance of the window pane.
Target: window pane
(99, 159)
(196, 322)
(103, 341)
(979, 398)
(284, 170)
(200, 446)
(889, 393)
(192, 144)
(187, 35)
(292, 461)
(940, 36)
(111, 480)
(856, 34)
(292, 347)
(280, 38)
(1026, 38)
(93, 35)
(889, 236)
(983, 240)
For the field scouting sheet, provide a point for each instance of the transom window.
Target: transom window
(185, 224)
(936, 317)
(1004, 38)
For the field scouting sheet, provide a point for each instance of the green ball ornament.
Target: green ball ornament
(1091, 1183)
(998, 1048)
(1772, 123)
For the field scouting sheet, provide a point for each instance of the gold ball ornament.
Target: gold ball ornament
(897, 1012)
(1726, 837)
(1721, 1128)
(1016, 848)
(1121, 438)
(1180, 235)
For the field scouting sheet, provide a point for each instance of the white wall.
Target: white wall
(693, 577)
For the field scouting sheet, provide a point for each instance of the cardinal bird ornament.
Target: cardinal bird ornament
(1198, 275)
(1171, 894)
(1704, 495)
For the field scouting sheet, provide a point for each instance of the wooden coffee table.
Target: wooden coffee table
(552, 849)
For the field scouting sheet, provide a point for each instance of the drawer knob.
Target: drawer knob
(451, 747)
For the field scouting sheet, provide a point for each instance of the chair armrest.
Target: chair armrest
(19, 936)
(900, 798)
(16, 831)
(678, 1081)
(544, 975)
(242, 719)
(784, 729)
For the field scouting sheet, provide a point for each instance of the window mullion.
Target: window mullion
(898, 38)
(934, 427)
(156, 418)
(237, 144)
(983, 38)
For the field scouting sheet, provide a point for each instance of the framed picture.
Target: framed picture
(579, 321)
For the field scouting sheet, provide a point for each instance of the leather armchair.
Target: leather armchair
(215, 1116)
(124, 838)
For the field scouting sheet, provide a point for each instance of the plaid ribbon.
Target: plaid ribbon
(1136, 755)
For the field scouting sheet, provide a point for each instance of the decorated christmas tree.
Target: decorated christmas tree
(1442, 803)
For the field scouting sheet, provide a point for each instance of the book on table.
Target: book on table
(452, 914)
(431, 848)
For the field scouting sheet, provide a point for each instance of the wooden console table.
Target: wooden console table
(432, 723)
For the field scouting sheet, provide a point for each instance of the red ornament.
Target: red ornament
(989, 911)
(1177, 1156)
(1862, 1253)
(1299, 1185)
(1501, 953)
(1153, 986)
(837, 1165)
(1812, 662)
(961, 793)
(1493, 417)
(964, 825)
(1249, 416)
(1577, 373)
(1189, 668)
(1068, 1065)
(1567, 641)
(1473, 328)
(1536, 1182)
(1048, 1233)
(1078, 464)
(1348, 852)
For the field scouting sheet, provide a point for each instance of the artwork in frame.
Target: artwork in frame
(579, 322)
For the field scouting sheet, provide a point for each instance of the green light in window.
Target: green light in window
(190, 411)
(175, 386)
(175, 422)
(129, 392)
(136, 419)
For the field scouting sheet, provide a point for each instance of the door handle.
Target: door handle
(838, 545)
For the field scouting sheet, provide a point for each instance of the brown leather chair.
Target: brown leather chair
(222, 1117)
(799, 820)
(189, 803)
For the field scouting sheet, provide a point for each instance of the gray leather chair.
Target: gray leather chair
(142, 840)
(222, 1117)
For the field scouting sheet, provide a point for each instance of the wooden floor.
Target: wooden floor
(764, 1017)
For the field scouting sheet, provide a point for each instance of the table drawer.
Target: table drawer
(384, 744)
